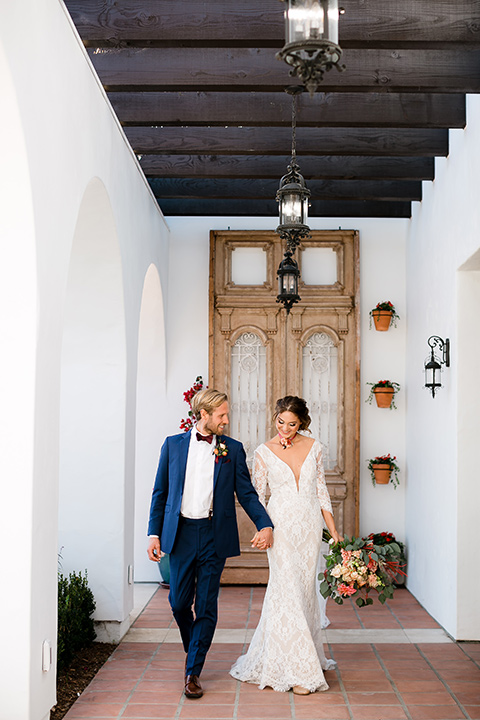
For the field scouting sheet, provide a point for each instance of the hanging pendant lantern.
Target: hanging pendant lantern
(293, 196)
(311, 40)
(288, 275)
(293, 200)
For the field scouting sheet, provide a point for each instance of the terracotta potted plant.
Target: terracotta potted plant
(383, 315)
(384, 393)
(384, 469)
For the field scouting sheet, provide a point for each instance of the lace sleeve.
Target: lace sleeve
(260, 476)
(322, 491)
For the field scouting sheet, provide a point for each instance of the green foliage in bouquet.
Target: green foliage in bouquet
(75, 623)
(358, 566)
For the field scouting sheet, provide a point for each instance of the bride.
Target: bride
(286, 650)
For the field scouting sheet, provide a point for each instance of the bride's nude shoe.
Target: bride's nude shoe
(299, 690)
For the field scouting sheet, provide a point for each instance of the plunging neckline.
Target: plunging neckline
(297, 482)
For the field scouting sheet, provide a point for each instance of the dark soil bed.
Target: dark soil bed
(71, 681)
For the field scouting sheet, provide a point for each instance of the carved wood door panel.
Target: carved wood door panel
(258, 354)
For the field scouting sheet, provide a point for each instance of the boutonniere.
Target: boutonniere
(220, 450)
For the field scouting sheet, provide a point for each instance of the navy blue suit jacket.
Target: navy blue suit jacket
(231, 477)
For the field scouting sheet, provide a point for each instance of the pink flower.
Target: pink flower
(346, 590)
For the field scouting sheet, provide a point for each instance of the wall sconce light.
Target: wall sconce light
(433, 366)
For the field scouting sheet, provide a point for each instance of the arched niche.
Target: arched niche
(92, 511)
(28, 501)
(150, 411)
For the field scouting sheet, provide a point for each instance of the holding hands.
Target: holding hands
(263, 539)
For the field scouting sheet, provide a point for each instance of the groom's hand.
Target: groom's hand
(263, 539)
(153, 550)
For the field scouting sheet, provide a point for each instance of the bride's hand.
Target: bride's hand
(263, 539)
(336, 537)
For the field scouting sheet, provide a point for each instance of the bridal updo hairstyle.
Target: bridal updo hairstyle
(295, 405)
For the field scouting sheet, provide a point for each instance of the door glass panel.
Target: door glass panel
(249, 266)
(319, 266)
(320, 390)
(248, 392)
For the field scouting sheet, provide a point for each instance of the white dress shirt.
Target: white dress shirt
(198, 489)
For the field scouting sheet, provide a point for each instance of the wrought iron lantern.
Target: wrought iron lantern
(293, 195)
(293, 200)
(433, 366)
(288, 274)
(311, 40)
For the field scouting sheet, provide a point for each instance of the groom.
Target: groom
(193, 519)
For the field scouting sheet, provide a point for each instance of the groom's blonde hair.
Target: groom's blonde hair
(207, 399)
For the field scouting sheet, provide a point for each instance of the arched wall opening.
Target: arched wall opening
(151, 401)
(92, 409)
(28, 608)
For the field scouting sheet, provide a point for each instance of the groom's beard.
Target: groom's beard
(210, 428)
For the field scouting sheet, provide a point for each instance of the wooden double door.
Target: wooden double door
(258, 354)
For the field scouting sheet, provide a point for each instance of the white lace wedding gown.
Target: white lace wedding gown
(287, 648)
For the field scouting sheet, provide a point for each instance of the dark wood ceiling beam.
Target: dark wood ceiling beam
(249, 21)
(397, 110)
(273, 141)
(267, 166)
(385, 190)
(310, 141)
(266, 208)
(371, 70)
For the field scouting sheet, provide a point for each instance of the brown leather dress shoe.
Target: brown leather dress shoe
(193, 689)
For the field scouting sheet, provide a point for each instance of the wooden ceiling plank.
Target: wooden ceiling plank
(266, 208)
(267, 166)
(310, 141)
(371, 21)
(251, 189)
(382, 109)
(445, 70)
(266, 141)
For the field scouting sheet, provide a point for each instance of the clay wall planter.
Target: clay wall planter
(384, 397)
(382, 319)
(382, 474)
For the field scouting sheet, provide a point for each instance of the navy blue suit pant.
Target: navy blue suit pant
(195, 571)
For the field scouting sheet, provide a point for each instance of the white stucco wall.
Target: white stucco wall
(58, 135)
(382, 243)
(443, 482)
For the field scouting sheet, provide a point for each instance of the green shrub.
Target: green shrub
(75, 623)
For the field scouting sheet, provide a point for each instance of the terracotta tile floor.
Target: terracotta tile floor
(394, 663)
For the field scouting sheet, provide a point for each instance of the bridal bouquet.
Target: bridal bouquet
(358, 566)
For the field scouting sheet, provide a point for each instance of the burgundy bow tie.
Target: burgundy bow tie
(207, 438)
